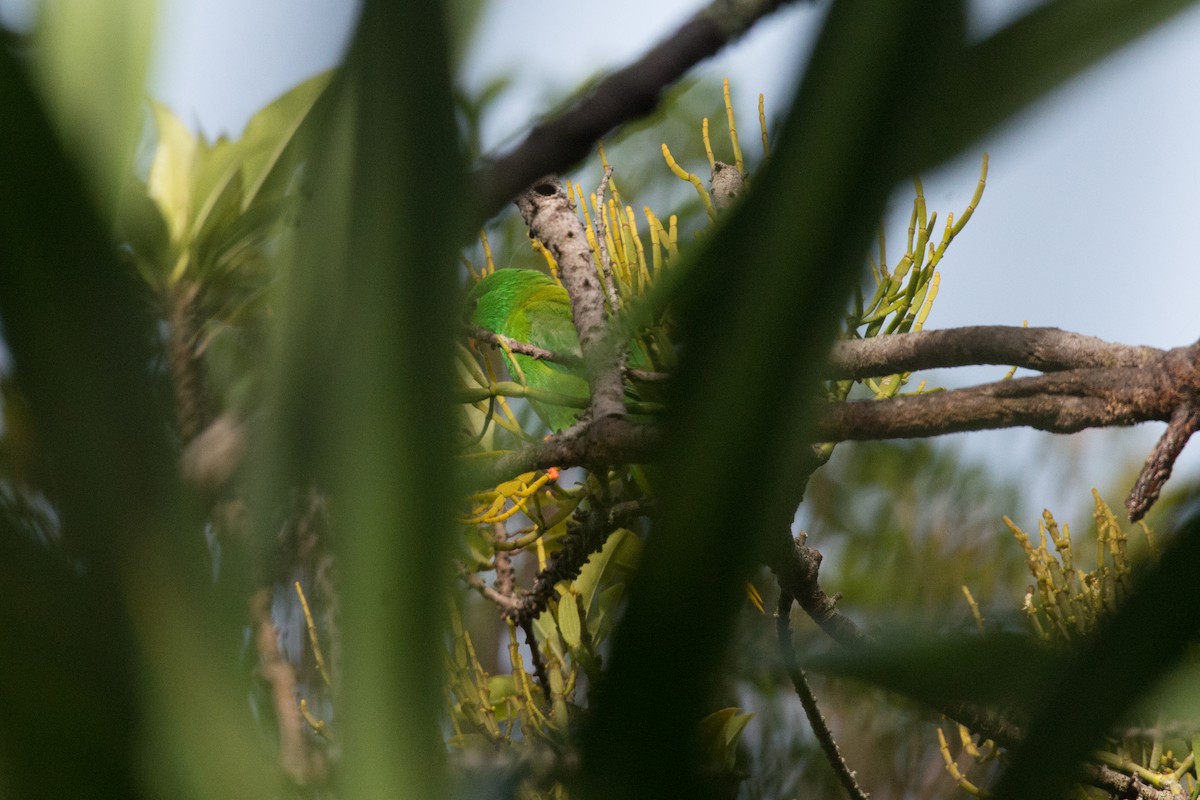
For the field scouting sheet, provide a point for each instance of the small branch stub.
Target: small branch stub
(726, 183)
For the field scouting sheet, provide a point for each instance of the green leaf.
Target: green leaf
(615, 561)
(361, 386)
(568, 619)
(718, 735)
(500, 688)
(92, 60)
(1000, 669)
(81, 337)
(69, 684)
(140, 224)
(736, 441)
(547, 634)
(733, 732)
(600, 621)
(216, 186)
(170, 180)
(269, 141)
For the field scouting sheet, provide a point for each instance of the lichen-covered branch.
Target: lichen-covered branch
(797, 571)
(634, 91)
(1118, 784)
(1041, 349)
(547, 210)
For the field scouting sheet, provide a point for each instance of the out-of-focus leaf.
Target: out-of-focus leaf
(362, 389)
(141, 226)
(169, 183)
(718, 735)
(711, 731)
(80, 336)
(500, 688)
(1020, 64)
(81, 339)
(783, 260)
(600, 621)
(271, 136)
(68, 689)
(463, 20)
(222, 200)
(92, 59)
(216, 186)
(733, 731)
(1126, 657)
(994, 670)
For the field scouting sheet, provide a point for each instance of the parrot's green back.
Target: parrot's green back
(531, 307)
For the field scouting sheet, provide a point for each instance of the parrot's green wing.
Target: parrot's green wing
(531, 307)
(548, 319)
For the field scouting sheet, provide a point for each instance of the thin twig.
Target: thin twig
(808, 700)
(313, 639)
(524, 348)
(505, 603)
(542, 354)
(797, 570)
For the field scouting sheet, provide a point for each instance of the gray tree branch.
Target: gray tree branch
(1042, 349)
(559, 143)
(552, 220)
(1090, 383)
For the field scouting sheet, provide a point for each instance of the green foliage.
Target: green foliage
(90, 61)
(359, 380)
(529, 515)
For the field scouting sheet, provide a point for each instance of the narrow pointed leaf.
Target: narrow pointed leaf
(363, 385)
(1021, 63)
(767, 291)
(92, 60)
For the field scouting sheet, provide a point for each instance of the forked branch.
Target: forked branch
(1088, 383)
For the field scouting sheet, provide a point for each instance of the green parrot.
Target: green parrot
(531, 307)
